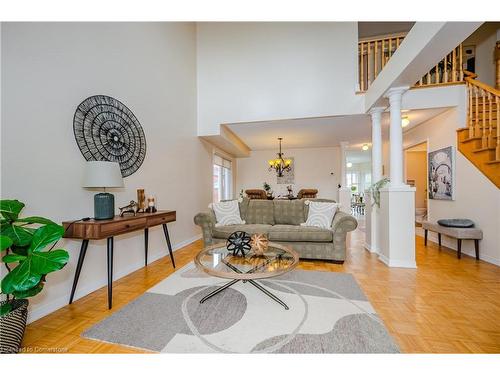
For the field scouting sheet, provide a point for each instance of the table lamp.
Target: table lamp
(103, 174)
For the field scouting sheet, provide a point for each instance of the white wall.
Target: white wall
(47, 70)
(265, 71)
(476, 197)
(313, 168)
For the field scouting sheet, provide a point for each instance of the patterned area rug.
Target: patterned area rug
(328, 314)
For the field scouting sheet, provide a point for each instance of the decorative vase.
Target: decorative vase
(12, 326)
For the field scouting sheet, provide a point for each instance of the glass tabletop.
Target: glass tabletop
(217, 260)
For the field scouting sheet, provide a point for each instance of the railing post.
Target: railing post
(497, 151)
(484, 137)
(477, 129)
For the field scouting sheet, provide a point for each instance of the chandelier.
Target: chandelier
(279, 164)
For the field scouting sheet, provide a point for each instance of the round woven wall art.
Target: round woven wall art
(105, 129)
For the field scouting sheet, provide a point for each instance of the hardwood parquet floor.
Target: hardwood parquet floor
(446, 305)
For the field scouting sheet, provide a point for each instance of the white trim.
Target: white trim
(47, 308)
(397, 263)
(370, 248)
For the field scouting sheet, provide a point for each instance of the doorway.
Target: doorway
(416, 176)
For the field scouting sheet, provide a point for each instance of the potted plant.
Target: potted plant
(375, 190)
(268, 190)
(24, 243)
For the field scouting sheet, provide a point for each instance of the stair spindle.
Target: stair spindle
(484, 135)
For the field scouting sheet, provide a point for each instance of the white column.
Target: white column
(395, 96)
(344, 193)
(372, 210)
(397, 201)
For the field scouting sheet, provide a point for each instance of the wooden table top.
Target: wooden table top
(100, 229)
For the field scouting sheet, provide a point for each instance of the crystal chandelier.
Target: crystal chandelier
(279, 164)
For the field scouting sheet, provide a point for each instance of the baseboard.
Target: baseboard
(397, 263)
(47, 308)
(432, 237)
(370, 248)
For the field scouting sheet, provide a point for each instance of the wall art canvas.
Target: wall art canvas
(288, 177)
(442, 174)
(105, 129)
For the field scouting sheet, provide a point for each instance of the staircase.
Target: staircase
(479, 142)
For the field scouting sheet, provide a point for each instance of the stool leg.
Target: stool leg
(459, 252)
(425, 237)
(439, 239)
(476, 246)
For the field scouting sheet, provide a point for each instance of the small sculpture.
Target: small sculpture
(259, 244)
(238, 242)
(132, 207)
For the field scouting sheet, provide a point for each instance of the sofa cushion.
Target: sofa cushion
(296, 233)
(260, 211)
(227, 213)
(225, 230)
(289, 211)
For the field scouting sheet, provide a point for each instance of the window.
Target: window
(223, 180)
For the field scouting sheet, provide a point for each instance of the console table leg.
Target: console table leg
(110, 272)
(81, 257)
(146, 233)
(167, 237)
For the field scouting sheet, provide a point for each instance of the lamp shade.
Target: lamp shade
(102, 174)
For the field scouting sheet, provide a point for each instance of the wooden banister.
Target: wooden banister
(375, 52)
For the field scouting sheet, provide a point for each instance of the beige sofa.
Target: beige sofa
(280, 220)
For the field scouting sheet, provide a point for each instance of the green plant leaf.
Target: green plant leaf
(5, 242)
(20, 250)
(20, 278)
(5, 309)
(30, 292)
(35, 220)
(45, 262)
(45, 235)
(20, 236)
(10, 208)
(11, 258)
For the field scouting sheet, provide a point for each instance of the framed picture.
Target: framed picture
(441, 182)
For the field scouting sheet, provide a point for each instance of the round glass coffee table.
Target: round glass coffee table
(217, 260)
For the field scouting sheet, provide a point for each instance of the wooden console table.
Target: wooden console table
(107, 229)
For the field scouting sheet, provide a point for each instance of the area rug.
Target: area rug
(328, 313)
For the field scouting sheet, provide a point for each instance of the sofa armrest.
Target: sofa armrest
(206, 220)
(342, 223)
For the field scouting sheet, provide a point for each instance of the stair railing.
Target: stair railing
(483, 108)
(374, 53)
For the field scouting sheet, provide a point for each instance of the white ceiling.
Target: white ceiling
(319, 132)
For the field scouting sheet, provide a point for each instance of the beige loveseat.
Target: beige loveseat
(280, 220)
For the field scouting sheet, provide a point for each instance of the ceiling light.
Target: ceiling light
(279, 164)
(405, 121)
(349, 165)
(365, 147)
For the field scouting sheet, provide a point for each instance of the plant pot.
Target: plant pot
(12, 326)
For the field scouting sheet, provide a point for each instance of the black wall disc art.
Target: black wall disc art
(105, 129)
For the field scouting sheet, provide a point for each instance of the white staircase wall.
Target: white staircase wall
(476, 197)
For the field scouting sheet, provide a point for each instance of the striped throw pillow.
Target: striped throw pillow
(320, 214)
(227, 213)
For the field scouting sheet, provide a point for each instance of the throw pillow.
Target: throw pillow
(227, 213)
(320, 214)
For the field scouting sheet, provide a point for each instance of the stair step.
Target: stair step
(492, 162)
(484, 149)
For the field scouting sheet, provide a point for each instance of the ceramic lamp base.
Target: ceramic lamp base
(104, 206)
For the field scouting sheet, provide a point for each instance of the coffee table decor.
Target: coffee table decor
(259, 243)
(220, 261)
(238, 242)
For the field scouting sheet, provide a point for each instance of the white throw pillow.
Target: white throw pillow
(320, 214)
(227, 213)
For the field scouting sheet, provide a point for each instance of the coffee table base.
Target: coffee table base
(255, 284)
